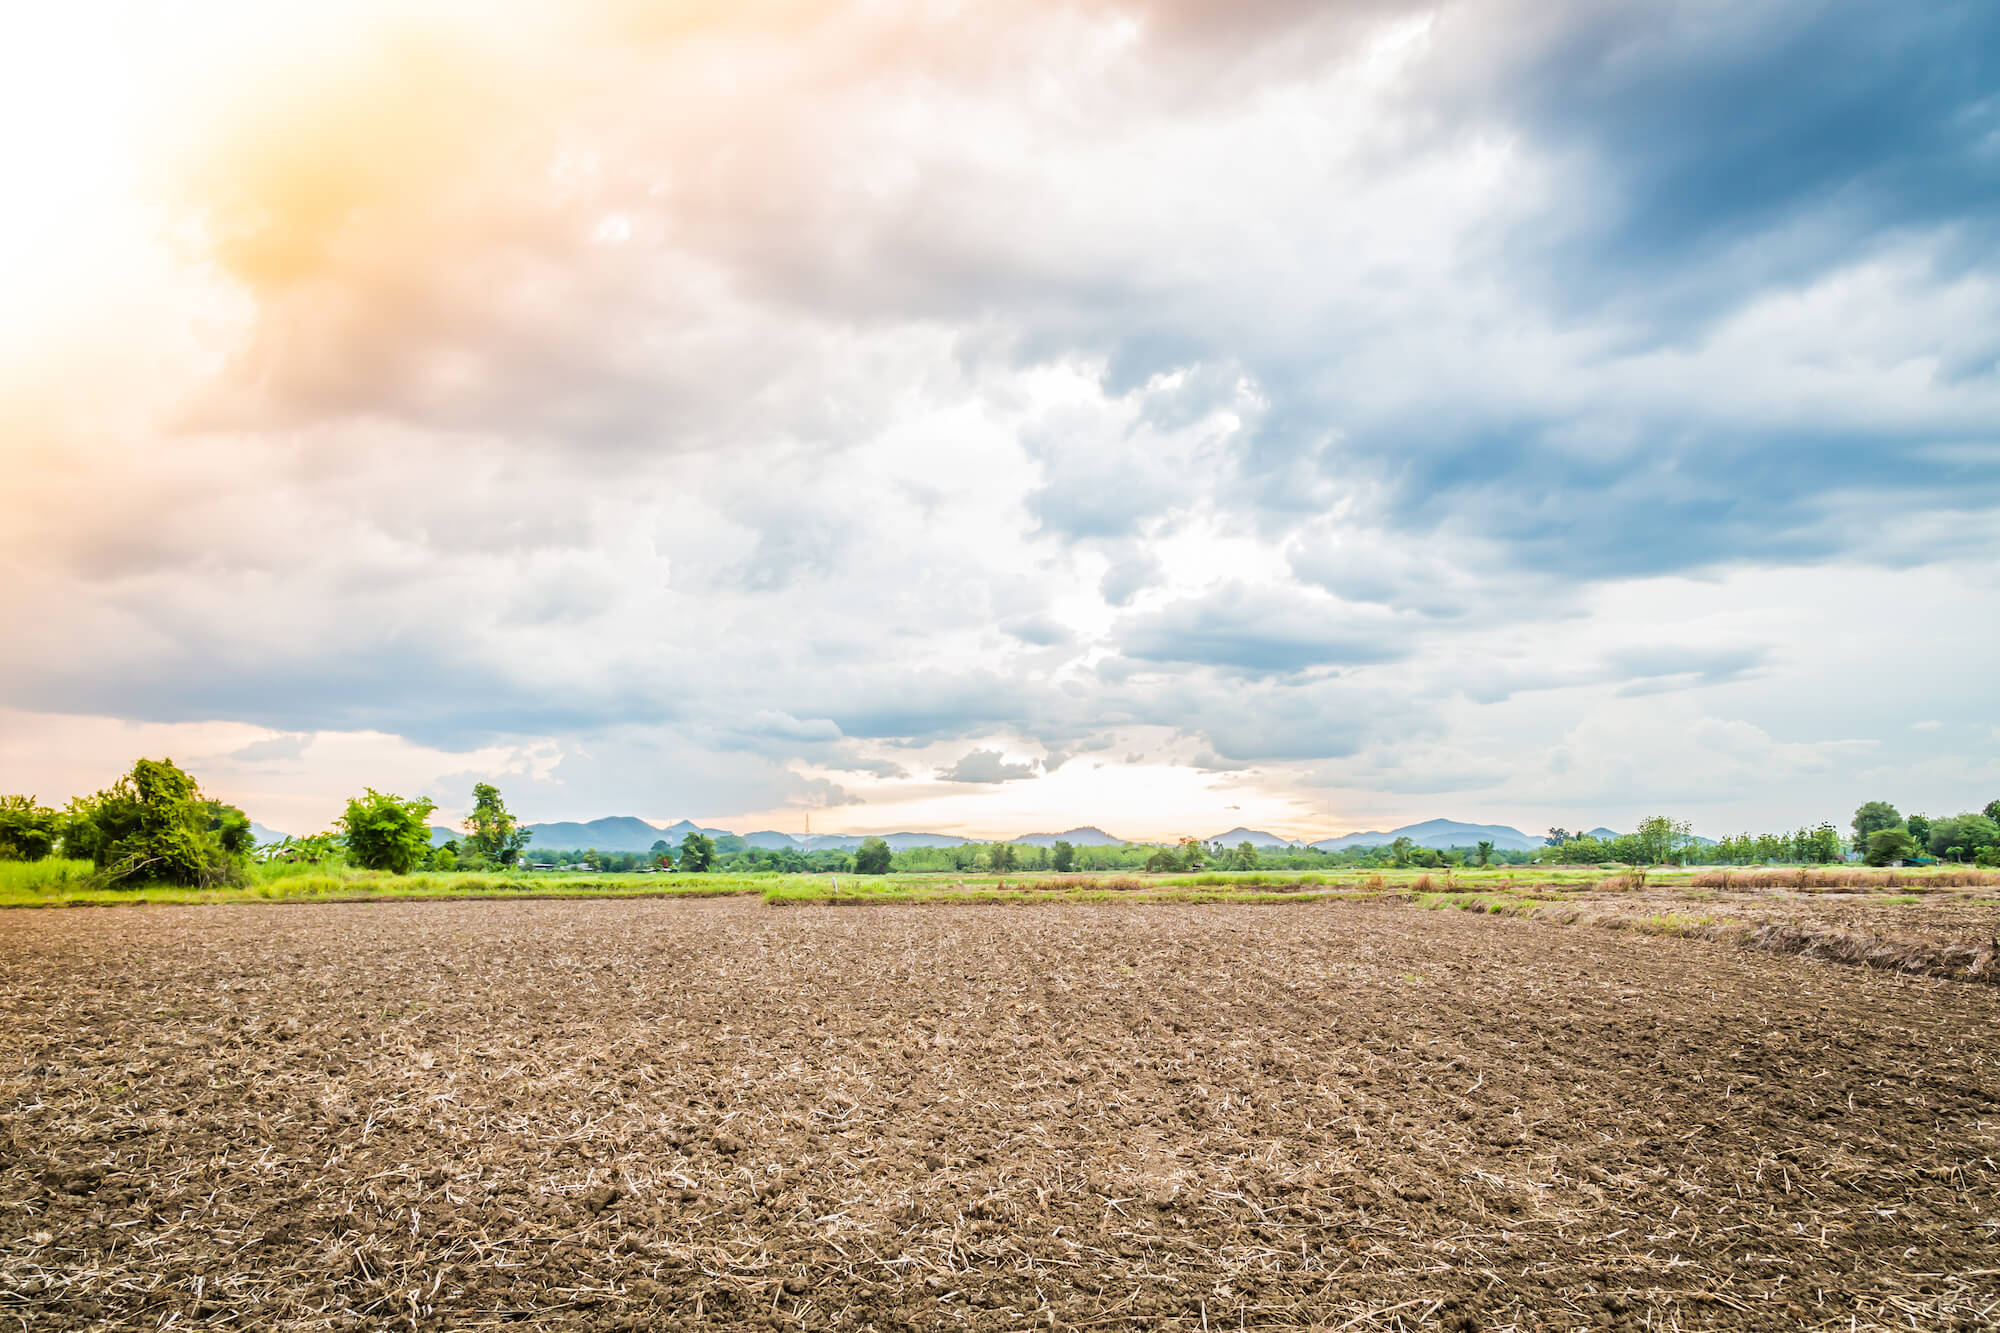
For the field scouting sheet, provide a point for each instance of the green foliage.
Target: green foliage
(872, 857)
(1400, 851)
(312, 849)
(1889, 845)
(385, 832)
(1063, 858)
(1920, 829)
(1870, 818)
(1992, 811)
(490, 830)
(1663, 841)
(28, 832)
(697, 853)
(155, 825)
(1485, 853)
(1003, 857)
(1244, 857)
(1962, 836)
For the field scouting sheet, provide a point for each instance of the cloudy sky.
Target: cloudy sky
(1159, 414)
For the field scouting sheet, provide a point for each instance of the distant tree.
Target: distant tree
(1558, 836)
(1062, 858)
(1484, 852)
(1920, 830)
(28, 832)
(1399, 850)
(1992, 811)
(1663, 840)
(491, 830)
(386, 832)
(697, 853)
(1962, 836)
(663, 855)
(1163, 859)
(1193, 854)
(154, 824)
(1871, 817)
(1888, 846)
(661, 845)
(872, 857)
(1244, 857)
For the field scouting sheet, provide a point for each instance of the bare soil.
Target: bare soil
(662, 1114)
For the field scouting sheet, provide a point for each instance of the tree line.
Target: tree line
(154, 824)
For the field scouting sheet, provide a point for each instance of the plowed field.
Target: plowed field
(659, 1114)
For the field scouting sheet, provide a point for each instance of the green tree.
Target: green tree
(1823, 844)
(872, 857)
(1244, 857)
(1558, 836)
(1663, 840)
(1962, 836)
(1063, 858)
(1992, 811)
(386, 832)
(1887, 846)
(1163, 859)
(1400, 850)
(1484, 851)
(1002, 857)
(490, 830)
(28, 832)
(154, 824)
(697, 853)
(1920, 830)
(1871, 817)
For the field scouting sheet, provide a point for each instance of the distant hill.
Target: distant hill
(1255, 837)
(1438, 833)
(613, 833)
(1601, 833)
(847, 842)
(440, 835)
(1086, 836)
(264, 835)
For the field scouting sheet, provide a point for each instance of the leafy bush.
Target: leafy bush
(1890, 845)
(28, 832)
(155, 825)
(385, 832)
(872, 857)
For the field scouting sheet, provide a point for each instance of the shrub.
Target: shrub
(385, 832)
(872, 857)
(28, 832)
(1889, 845)
(155, 825)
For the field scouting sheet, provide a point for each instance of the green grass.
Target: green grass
(1499, 890)
(69, 884)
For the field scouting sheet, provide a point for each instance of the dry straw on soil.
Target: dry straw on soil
(658, 1114)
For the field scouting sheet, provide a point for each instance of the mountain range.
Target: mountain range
(625, 833)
